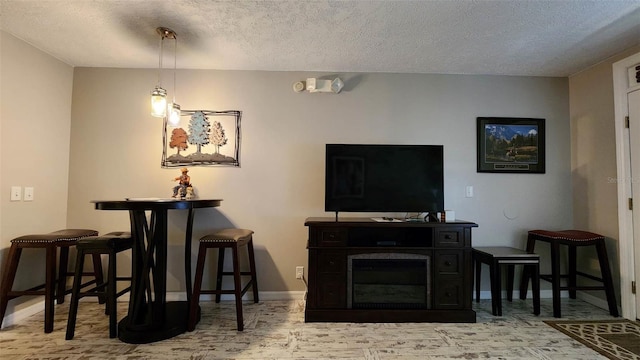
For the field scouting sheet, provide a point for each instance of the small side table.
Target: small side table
(501, 255)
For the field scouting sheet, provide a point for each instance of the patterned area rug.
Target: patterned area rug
(615, 339)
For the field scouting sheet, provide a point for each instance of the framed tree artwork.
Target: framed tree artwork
(202, 138)
(511, 145)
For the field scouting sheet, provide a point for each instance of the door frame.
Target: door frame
(621, 89)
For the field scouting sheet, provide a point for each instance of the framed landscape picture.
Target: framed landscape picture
(202, 138)
(511, 145)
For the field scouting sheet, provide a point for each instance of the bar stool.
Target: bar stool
(572, 239)
(109, 244)
(495, 257)
(62, 239)
(222, 239)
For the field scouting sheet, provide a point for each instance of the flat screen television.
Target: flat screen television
(384, 178)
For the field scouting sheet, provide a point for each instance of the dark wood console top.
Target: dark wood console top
(359, 221)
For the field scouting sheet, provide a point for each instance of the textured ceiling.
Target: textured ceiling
(539, 38)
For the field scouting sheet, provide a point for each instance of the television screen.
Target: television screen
(384, 178)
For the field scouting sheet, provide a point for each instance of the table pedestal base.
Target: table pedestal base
(175, 323)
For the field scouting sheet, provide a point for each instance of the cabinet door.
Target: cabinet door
(449, 271)
(332, 279)
(332, 292)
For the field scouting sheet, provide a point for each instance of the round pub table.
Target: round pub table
(150, 317)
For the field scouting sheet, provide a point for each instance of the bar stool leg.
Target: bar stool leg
(478, 277)
(219, 273)
(252, 266)
(238, 287)
(75, 294)
(572, 264)
(555, 277)
(49, 288)
(607, 278)
(97, 274)
(497, 280)
(495, 286)
(510, 275)
(8, 276)
(535, 287)
(197, 287)
(524, 281)
(62, 274)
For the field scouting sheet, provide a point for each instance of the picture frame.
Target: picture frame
(202, 138)
(511, 145)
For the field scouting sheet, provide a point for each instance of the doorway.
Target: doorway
(633, 101)
(627, 101)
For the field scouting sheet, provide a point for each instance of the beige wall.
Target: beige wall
(35, 115)
(593, 159)
(116, 152)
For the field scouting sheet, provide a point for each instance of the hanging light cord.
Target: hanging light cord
(160, 61)
(175, 62)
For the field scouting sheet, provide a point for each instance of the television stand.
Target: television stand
(361, 270)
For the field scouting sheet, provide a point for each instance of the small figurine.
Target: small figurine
(184, 181)
(190, 193)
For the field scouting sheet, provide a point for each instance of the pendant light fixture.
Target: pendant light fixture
(159, 94)
(174, 109)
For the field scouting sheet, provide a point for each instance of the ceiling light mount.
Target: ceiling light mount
(166, 33)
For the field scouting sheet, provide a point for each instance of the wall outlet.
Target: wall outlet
(468, 191)
(299, 272)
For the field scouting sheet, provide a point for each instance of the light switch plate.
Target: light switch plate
(16, 193)
(28, 193)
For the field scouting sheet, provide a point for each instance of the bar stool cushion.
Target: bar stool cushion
(567, 235)
(112, 240)
(241, 236)
(60, 235)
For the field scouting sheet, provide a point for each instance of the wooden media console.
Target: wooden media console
(361, 270)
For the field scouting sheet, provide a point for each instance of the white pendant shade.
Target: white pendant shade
(174, 114)
(159, 102)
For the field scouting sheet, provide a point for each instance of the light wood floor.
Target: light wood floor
(276, 330)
